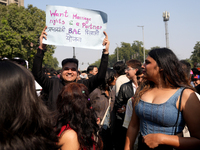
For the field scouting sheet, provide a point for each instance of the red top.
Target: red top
(63, 128)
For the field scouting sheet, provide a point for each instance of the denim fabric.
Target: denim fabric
(160, 118)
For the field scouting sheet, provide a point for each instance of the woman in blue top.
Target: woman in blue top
(155, 110)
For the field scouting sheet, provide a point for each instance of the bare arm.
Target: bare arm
(132, 131)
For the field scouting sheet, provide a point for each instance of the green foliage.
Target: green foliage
(97, 63)
(126, 52)
(195, 57)
(20, 29)
(50, 61)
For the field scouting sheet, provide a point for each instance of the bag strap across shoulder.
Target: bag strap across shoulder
(106, 112)
(179, 107)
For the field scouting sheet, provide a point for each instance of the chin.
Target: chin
(69, 80)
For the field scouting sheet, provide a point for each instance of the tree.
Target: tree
(126, 52)
(195, 57)
(50, 61)
(20, 29)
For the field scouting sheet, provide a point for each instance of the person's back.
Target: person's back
(76, 120)
(25, 122)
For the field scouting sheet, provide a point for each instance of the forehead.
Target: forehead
(149, 58)
(95, 68)
(70, 65)
(128, 66)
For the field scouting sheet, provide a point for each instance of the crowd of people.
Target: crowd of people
(129, 106)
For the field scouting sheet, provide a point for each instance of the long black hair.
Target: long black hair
(173, 74)
(24, 120)
(74, 109)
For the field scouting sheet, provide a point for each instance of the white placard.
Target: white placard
(75, 27)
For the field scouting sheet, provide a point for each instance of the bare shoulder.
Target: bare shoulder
(189, 96)
(188, 91)
(69, 140)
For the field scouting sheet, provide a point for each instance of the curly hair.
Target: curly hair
(25, 122)
(74, 108)
(173, 74)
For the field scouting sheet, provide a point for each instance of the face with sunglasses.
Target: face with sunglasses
(69, 72)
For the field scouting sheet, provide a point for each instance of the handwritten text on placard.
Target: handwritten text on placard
(75, 27)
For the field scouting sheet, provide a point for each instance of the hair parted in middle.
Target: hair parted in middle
(172, 74)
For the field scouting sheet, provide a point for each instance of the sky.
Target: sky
(124, 17)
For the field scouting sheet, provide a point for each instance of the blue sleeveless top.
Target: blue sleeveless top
(160, 118)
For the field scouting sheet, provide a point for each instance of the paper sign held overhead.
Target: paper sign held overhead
(75, 27)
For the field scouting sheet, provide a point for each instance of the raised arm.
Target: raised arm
(96, 80)
(106, 43)
(42, 36)
(40, 77)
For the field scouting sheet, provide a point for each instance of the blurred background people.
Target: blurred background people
(102, 99)
(92, 70)
(120, 67)
(196, 82)
(83, 75)
(126, 91)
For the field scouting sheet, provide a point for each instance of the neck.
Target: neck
(160, 84)
(134, 80)
(67, 82)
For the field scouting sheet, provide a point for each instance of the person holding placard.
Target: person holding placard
(68, 73)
